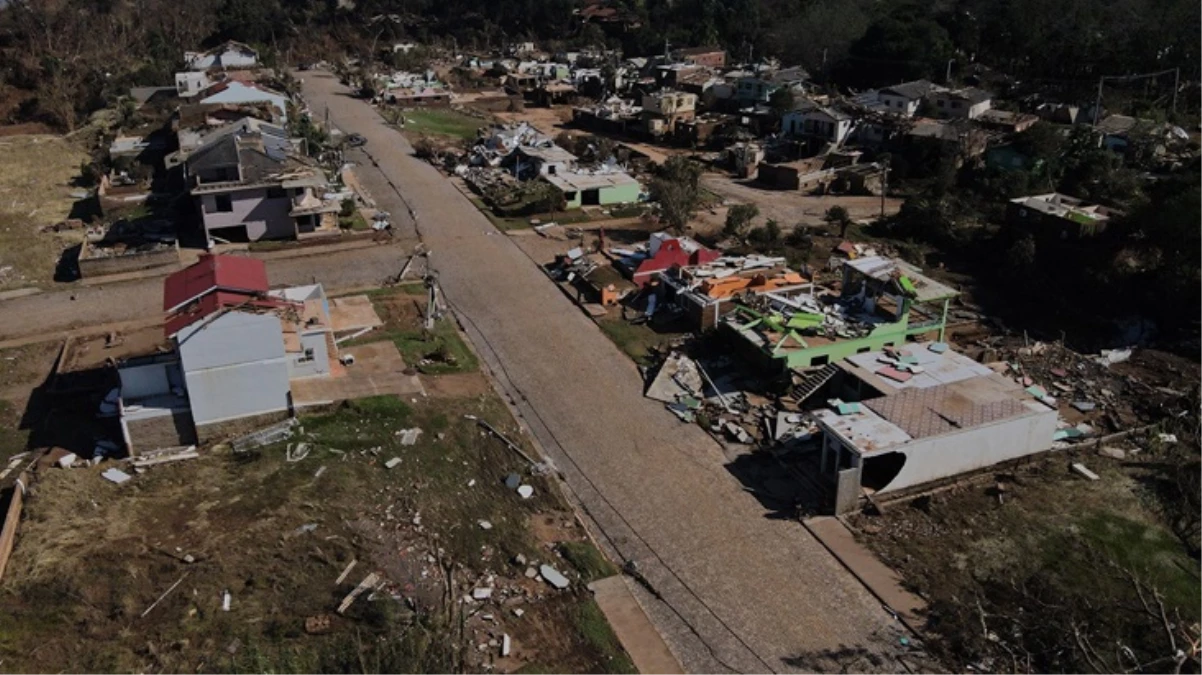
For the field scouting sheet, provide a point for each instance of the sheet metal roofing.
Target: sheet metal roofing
(214, 272)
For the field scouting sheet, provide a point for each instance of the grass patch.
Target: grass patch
(35, 190)
(587, 560)
(355, 222)
(438, 352)
(591, 624)
(442, 122)
(12, 439)
(1151, 551)
(630, 211)
(636, 340)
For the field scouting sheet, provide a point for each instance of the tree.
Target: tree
(837, 216)
(782, 101)
(676, 189)
(738, 218)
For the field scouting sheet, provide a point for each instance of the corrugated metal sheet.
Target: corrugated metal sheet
(231, 339)
(228, 272)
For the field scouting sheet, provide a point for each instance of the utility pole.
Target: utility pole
(947, 78)
(1097, 106)
(884, 186)
(1176, 85)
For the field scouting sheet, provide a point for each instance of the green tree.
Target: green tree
(837, 216)
(782, 101)
(677, 191)
(738, 217)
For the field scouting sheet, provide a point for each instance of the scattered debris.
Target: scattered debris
(392, 463)
(1084, 406)
(164, 456)
(115, 476)
(369, 581)
(165, 594)
(345, 572)
(1112, 453)
(485, 525)
(483, 593)
(68, 459)
(272, 434)
(409, 436)
(1080, 468)
(553, 576)
(512, 481)
(320, 470)
(506, 644)
(512, 446)
(301, 452)
(318, 625)
(226, 600)
(1168, 438)
(525, 491)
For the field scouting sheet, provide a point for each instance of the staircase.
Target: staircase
(814, 381)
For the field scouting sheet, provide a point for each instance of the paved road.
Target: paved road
(81, 306)
(741, 590)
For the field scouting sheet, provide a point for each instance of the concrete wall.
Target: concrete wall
(264, 218)
(617, 194)
(929, 459)
(129, 262)
(146, 380)
(234, 366)
(897, 103)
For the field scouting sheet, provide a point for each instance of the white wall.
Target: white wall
(936, 457)
(234, 366)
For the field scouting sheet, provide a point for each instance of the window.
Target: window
(276, 193)
(306, 357)
(956, 105)
(223, 204)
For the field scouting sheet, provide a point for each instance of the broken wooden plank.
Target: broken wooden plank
(1080, 468)
(368, 582)
(165, 594)
(342, 577)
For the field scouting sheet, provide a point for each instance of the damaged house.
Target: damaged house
(881, 302)
(249, 185)
(236, 348)
(908, 416)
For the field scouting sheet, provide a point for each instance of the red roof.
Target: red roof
(671, 254)
(213, 272)
(211, 304)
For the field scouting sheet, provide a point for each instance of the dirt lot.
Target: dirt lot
(790, 207)
(1034, 568)
(35, 190)
(92, 557)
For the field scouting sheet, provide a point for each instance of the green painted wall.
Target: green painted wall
(616, 194)
(893, 334)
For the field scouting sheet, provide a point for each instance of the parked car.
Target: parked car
(356, 141)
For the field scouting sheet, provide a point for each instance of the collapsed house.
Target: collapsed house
(905, 417)
(881, 302)
(236, 347)
(708, 291)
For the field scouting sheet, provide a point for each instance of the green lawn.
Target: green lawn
(442, 122)
(636, 340)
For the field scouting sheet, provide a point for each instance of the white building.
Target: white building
(924, 413)
(230, 55)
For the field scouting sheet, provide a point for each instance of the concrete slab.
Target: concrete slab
(353, 312)
(880, 579)
(634, 630)
(378, 369)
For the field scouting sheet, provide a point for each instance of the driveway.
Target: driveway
(739, 589)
